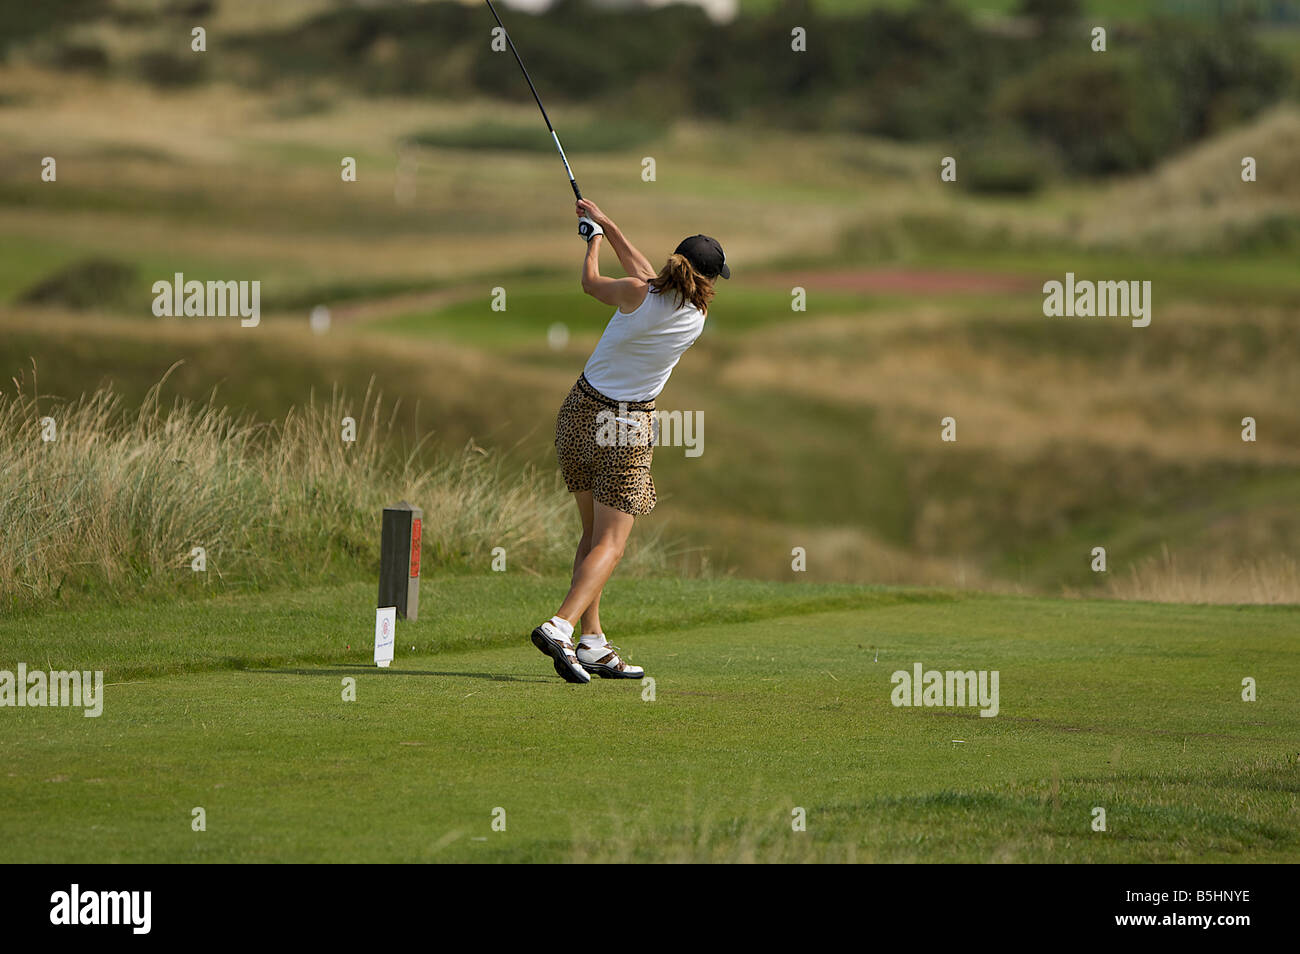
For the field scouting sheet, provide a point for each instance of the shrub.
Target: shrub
(1005, 161)
(1103, 113)
(81, 57)
(165, 69)
(89, 283)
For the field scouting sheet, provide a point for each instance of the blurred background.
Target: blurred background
(817, 169)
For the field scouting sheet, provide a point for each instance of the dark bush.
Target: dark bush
(81, 57)
(1004, 161)
(1101, 111)
(921, 71)
(86, 284)
(22, 19)
(1221, 74)
(165, 69)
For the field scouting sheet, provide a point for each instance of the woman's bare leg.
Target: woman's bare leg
(610, 530)
(591, 618)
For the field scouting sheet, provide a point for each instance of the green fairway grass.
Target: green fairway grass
(533, 307)
(768, 698)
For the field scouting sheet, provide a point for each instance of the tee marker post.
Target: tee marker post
(399, 560)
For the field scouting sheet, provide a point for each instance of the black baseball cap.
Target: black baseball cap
(706, 255)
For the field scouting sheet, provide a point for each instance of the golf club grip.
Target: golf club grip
(574, 183)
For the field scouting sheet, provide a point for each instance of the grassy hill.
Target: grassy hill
(821, 426)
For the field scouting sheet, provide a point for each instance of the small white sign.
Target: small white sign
(385, 630)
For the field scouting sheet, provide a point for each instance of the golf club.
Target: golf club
(572, 181)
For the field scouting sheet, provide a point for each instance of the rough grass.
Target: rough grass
(114, 504)
(1164, 578)
(1198, 202)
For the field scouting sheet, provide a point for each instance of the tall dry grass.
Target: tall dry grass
(113, 507)
(1167, 578)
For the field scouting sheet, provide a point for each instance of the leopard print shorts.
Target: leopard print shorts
(606, 447)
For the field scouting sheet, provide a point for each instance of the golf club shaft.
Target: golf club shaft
(572, 181)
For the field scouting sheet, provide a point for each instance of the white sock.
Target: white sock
(593, 640)
(563, 625)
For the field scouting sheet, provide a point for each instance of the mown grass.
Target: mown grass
(762, 705)
(532, 307)
(462, 608)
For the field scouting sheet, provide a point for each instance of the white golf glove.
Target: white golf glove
(587, 229)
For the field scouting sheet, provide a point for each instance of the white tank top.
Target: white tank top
(638, 351)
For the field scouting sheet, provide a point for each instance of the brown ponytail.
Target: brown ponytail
(681, 278)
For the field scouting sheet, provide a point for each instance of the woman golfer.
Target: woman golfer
(604, 433)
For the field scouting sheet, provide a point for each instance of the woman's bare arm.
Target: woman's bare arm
(626, 294)
(634, 263)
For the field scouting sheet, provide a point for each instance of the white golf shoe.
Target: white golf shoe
(606, 662)
(550, 640)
